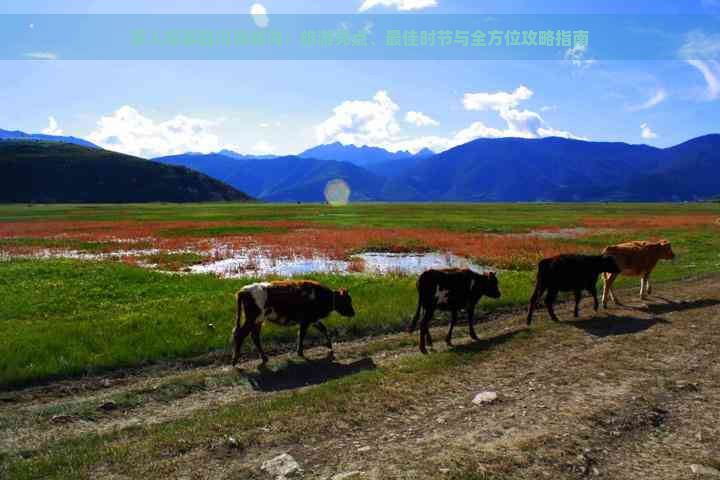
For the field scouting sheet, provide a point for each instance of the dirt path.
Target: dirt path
(631, 392)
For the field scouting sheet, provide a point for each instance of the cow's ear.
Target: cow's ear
(343, 291)
(664, 242)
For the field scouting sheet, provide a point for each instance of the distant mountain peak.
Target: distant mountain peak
(19, 135)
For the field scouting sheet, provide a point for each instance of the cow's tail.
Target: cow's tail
(239, 301)
(411, 326)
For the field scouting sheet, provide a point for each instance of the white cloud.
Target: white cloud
(42, 55)
(700, 45)
(658, 97)
(374, 123)
(549, 108)
(646, 132)
(497, 100)
(127, 130)
(264, 125)
(576, 55)
(32, 25)
(398, 4)
(52, 128)
(520, 123)
(263, 148)
(361, 122)
(419, 119)
(259, 15)
(710, 70)
(701, 51)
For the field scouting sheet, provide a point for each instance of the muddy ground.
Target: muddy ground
(628, 393)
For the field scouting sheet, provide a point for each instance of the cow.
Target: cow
(288, 302)
(635, 259)
(450, 289)
(569, 273)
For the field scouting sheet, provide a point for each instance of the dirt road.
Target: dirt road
(628, 393)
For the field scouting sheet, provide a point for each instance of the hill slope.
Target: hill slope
(48, 172)
(691, 171)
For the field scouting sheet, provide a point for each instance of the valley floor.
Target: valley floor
(629, 392)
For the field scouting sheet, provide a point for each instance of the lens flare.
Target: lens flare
(337, 192)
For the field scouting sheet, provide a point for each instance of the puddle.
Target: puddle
(256, 263)
(415, 263)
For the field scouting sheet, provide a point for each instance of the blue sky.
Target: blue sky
(151, 108)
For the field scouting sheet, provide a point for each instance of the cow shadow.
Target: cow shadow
(488, 343)
(613, 325)
(671, 306)
(300, 373)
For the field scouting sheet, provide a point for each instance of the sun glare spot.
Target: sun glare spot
(337, 192)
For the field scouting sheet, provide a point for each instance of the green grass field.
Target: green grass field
(63, 318)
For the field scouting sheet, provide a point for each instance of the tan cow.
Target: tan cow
(635, 259)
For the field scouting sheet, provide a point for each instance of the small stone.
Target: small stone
(485, 397)
(211, 326)
(108, 406)
(348, 475)
(704, 470)
(366, 448)
(232, 442)
(61, 419)
(281, 466)
(106, 383)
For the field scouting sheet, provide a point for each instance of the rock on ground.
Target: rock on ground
(281, 467)
(485, 397)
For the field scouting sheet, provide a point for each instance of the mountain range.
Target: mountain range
(498, 169)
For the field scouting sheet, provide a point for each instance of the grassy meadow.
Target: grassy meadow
(69, 317)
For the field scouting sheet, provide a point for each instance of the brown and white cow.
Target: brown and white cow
(289, 302)
(450, 289)
(635, 259)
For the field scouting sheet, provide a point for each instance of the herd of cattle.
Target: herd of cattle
(306, 303)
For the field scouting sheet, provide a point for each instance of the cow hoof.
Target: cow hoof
(475, 338)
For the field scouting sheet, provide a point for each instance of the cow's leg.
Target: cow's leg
(256, 340)
(304, 324)
(609, 289)
(539, 290)
(648, 287)
(239, 337)
(549, 301)
(606, 290)
(642, 288)
(593, 291)
(578, 296)
(324, 331)
(425, 338)
(471, 321)
(453, 320)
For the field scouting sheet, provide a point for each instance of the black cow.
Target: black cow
(302, 302)
(450, 289)
(569, 273)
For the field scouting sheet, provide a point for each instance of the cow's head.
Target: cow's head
(488, 282)
(608, 264)
(343, 303)
(665, 250)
